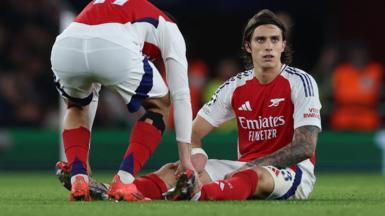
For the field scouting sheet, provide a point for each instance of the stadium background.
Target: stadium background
(29, 103)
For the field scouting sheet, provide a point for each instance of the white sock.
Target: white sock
(126, 177)
(74, 177)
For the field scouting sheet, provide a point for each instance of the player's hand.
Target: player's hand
(183, 168)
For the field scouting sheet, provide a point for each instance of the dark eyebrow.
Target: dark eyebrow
(260, 37)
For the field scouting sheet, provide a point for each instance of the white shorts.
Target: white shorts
(288, 184)
(80, 64)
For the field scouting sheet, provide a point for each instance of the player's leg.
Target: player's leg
(76, 140)
(92, 107)
(145, 137)
(146, 88)
(265, 182)
(240, 186)
(214, 170)
(148, 130)
(71, 78)
(154, 185)
(256, 182)
(290, 183)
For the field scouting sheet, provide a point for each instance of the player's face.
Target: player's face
(266, 46)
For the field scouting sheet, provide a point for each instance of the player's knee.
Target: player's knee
(204, 177)
(154, 118)
(265, 184)
(262, 173)
(167, 174)
(76, 102)
(165, 169)
(160, 105)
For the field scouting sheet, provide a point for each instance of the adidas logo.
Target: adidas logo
(245, 107)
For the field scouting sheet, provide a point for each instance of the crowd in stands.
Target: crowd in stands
(27, 32)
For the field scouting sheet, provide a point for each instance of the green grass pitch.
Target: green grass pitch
(334, 194)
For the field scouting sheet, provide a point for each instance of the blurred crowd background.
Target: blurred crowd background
(341, 43)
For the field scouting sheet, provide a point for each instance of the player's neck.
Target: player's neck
(266, 75)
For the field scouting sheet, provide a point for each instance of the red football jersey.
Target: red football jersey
(266, 114)
(99, 12)
(120, 11)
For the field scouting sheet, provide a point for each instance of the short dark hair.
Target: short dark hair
(264, 17)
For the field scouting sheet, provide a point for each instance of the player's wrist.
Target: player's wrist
(187, 165)
(198, 150)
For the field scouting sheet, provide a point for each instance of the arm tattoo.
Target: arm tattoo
(302, 147)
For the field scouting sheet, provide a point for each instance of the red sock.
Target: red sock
(76, 145)
(151, 186)
(144, 140)
(240, 186)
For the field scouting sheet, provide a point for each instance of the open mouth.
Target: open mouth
(268, 57)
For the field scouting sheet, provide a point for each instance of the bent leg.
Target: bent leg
(145, 137)
(76, 138)
(265, 184)
(153, 185)
(256, 182)
(239, 187)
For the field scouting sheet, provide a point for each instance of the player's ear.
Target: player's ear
(283, 46)
(247, 47)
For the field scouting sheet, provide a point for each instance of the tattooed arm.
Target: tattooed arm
(301, 148)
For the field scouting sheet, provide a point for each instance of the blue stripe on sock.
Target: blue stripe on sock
(78, 168)
(128, 164)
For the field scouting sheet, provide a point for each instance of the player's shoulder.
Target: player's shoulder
(227, 88)
(239, 79)
(299, 77)
(294, 72)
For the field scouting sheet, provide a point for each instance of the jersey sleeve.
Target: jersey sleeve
(173, 50)
(219, 110)
(306, 101)
(171, 42)
(180, 96)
